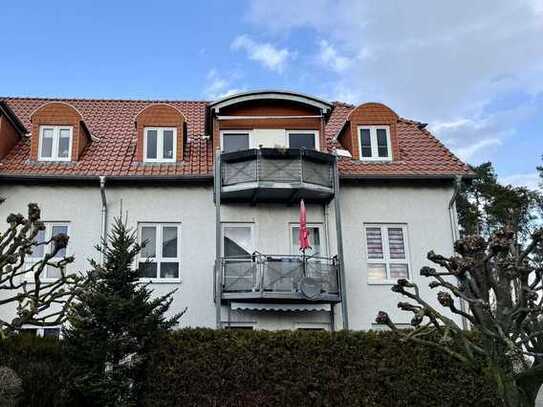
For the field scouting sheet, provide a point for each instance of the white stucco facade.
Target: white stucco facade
(422, 209)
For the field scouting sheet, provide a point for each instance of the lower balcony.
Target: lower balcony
(279, 278)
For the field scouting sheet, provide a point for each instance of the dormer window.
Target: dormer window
(55, 143)
(160, 144)
(375, 143)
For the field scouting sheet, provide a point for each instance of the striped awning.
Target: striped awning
(279, 307)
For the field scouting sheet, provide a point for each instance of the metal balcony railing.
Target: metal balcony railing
(274, 169)
(280, 277)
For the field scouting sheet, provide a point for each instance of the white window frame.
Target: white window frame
(374, 146)
(158, 259)
(314, 132)
(252, 141)
(30, 260)
(320, 226)
(40, 330)
(56, 140)
(386, 251)
(251, 225)
(160, 145)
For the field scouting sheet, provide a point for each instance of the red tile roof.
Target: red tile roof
(112, 153)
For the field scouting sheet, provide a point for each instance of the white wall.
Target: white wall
(424, 210)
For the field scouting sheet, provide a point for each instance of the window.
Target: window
(312, 326)
(238, 240)
(303, 139)
(51, 229)
(387, 252)
(375, 143)
(160, 144)
(314, 240)
(233, 326)
(160, 258)
(55, 143)
(46, 332)
(235, 141)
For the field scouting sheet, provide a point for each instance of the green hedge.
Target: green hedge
(40, 364)
(201, 367)
(226, 368)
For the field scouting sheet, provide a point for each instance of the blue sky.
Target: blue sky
(473, 71)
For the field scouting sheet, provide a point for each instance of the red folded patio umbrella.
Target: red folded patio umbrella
(303, 236)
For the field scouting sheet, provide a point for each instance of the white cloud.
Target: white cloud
(265, 53)
(331, 59)
(218, 87)
(430, 60)
(468, 153)
(530, 180)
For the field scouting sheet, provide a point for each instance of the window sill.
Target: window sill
(155, 163)
(161, 280)
(384, 282)
(375, 160)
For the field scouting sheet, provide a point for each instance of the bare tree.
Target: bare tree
(502, 284)
(37, 302)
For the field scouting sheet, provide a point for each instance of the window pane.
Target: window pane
(51, 332)
(382, 144)
(47, 143)
(169, 244)
(377, 272)
(301, 140)
(148, 237)
(29, 331)
(375, 243)
(58, 229)
(169, 270)
(147, 270)
(235, 142)
(38, 250)
(64, 143)
(167, 144)
(237, 241)
(314, 241)
(398, 271)
(365, 143)
(151, 143)
(396, 243)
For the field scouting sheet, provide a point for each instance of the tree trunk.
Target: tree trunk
(512, 393)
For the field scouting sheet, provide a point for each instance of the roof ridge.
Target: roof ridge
(83, 99)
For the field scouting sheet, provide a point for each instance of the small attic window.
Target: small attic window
(160, 144)
(375, 143)
(55, 143)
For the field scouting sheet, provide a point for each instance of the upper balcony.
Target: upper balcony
(277, 175)
(279, 278)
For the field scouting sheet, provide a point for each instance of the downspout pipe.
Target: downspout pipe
(455, 235)
(103, 223)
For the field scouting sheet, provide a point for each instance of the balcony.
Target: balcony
(277, 175)
(265, 278)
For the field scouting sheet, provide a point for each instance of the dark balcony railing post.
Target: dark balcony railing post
(260, 265)
(301, 166)
(258, 164)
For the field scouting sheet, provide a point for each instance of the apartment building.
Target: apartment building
(215, 189)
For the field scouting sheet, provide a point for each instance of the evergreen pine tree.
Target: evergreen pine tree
(114, 325)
